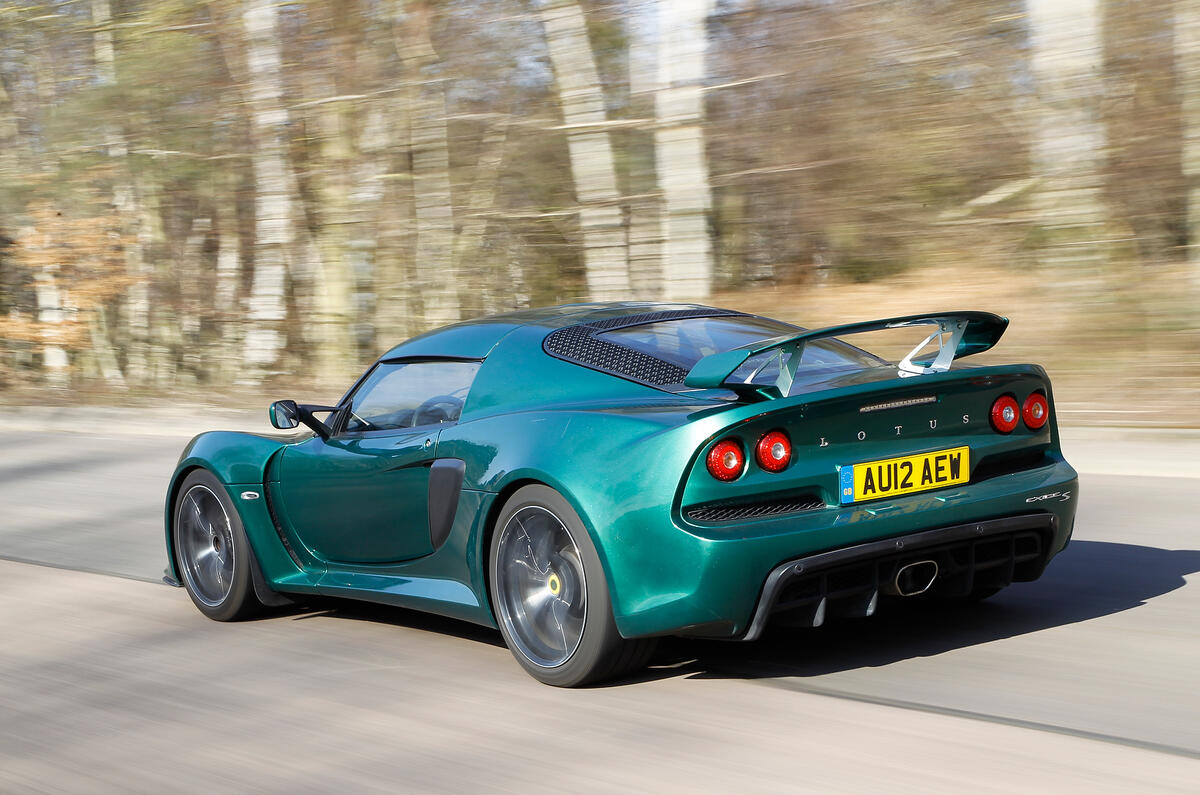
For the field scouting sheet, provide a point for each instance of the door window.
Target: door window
(410, 394)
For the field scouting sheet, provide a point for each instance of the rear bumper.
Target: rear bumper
(716, 581)
(992, 553)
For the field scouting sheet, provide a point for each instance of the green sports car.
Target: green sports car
(588, 478)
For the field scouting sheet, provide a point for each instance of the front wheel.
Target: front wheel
(212, 551)
(550, 596)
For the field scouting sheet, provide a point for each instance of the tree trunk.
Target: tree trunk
(679, 144)
(430, 152)
(1187, 72)
(331, 282)
(1069, 143)
(106, 75)
(646, 210)
(274, 235)
(605, 249)
(50, 318)
(468, 243)
(396, 313)
(10, 141)
(228, 298)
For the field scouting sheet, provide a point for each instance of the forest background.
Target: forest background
(216, 201)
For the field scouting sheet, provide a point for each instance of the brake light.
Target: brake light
(773, 451)
(1035, 411)
(726, 460)
(1005, 414)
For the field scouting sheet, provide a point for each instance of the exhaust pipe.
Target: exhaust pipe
(914, 578)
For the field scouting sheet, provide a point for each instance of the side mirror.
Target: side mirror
(285, 414)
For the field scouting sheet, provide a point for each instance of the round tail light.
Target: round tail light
(726, 460)
(1005, 414)
(1035, 411)
(773, 451)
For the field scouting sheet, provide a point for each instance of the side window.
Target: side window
(409, 394)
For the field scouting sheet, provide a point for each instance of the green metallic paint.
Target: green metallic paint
(628, 458)
(361, 497)
(234, 458)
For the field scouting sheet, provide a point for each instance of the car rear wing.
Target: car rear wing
(958, 334)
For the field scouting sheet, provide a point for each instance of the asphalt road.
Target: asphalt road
(1084, 679)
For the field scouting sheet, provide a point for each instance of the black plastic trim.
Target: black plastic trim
(805, 566)
(262, 590)
(741, 510)
(445, 487)
(275, 517)
(1010, 463)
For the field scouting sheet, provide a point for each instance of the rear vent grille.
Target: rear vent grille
(737, 511)
(1009, 463)
(583, 344)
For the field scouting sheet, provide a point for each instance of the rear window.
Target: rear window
(686, 341)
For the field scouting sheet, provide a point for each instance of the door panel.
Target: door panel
(360, 498)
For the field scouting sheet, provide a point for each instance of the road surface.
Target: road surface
(110, 680)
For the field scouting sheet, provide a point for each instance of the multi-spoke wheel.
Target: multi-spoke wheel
(211, 549)
(550, 596)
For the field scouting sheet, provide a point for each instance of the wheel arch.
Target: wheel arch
(176, 483)
(232, 458)
(511, 487)
(262, 589)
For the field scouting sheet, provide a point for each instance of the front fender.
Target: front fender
(235, 458)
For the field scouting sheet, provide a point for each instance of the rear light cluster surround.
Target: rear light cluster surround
(727, 460)
(773, 451)
(1007, 413)
(1036, 411)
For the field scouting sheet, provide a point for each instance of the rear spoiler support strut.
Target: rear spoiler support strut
(958, 334)
(947, 348)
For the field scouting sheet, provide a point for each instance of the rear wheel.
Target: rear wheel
(211, 550)
(550, 596)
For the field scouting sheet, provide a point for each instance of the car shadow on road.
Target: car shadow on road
(356, 610)
(1088, 580)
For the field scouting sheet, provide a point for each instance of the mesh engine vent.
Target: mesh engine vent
(582, 344)
(735, 511)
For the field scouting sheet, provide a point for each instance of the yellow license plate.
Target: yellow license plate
(893, 477)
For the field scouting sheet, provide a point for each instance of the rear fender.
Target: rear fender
(625, 508)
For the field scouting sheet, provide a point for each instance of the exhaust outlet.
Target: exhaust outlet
(914, 578)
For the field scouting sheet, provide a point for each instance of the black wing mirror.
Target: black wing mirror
(286, 414)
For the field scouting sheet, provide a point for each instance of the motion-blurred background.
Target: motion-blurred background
(205, 199)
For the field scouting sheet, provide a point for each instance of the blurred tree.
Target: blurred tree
(297, 185)
(1187, 65)
(77, 266)
(274, 239)
(680, 149)
(429, 149)
(593, 166)
(1070, 144)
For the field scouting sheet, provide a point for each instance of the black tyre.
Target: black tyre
(550, 596)
(211, 550)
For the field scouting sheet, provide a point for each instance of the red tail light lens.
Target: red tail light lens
(726, 460)
(1035, 411)
(773, 451)
(1005, 414)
